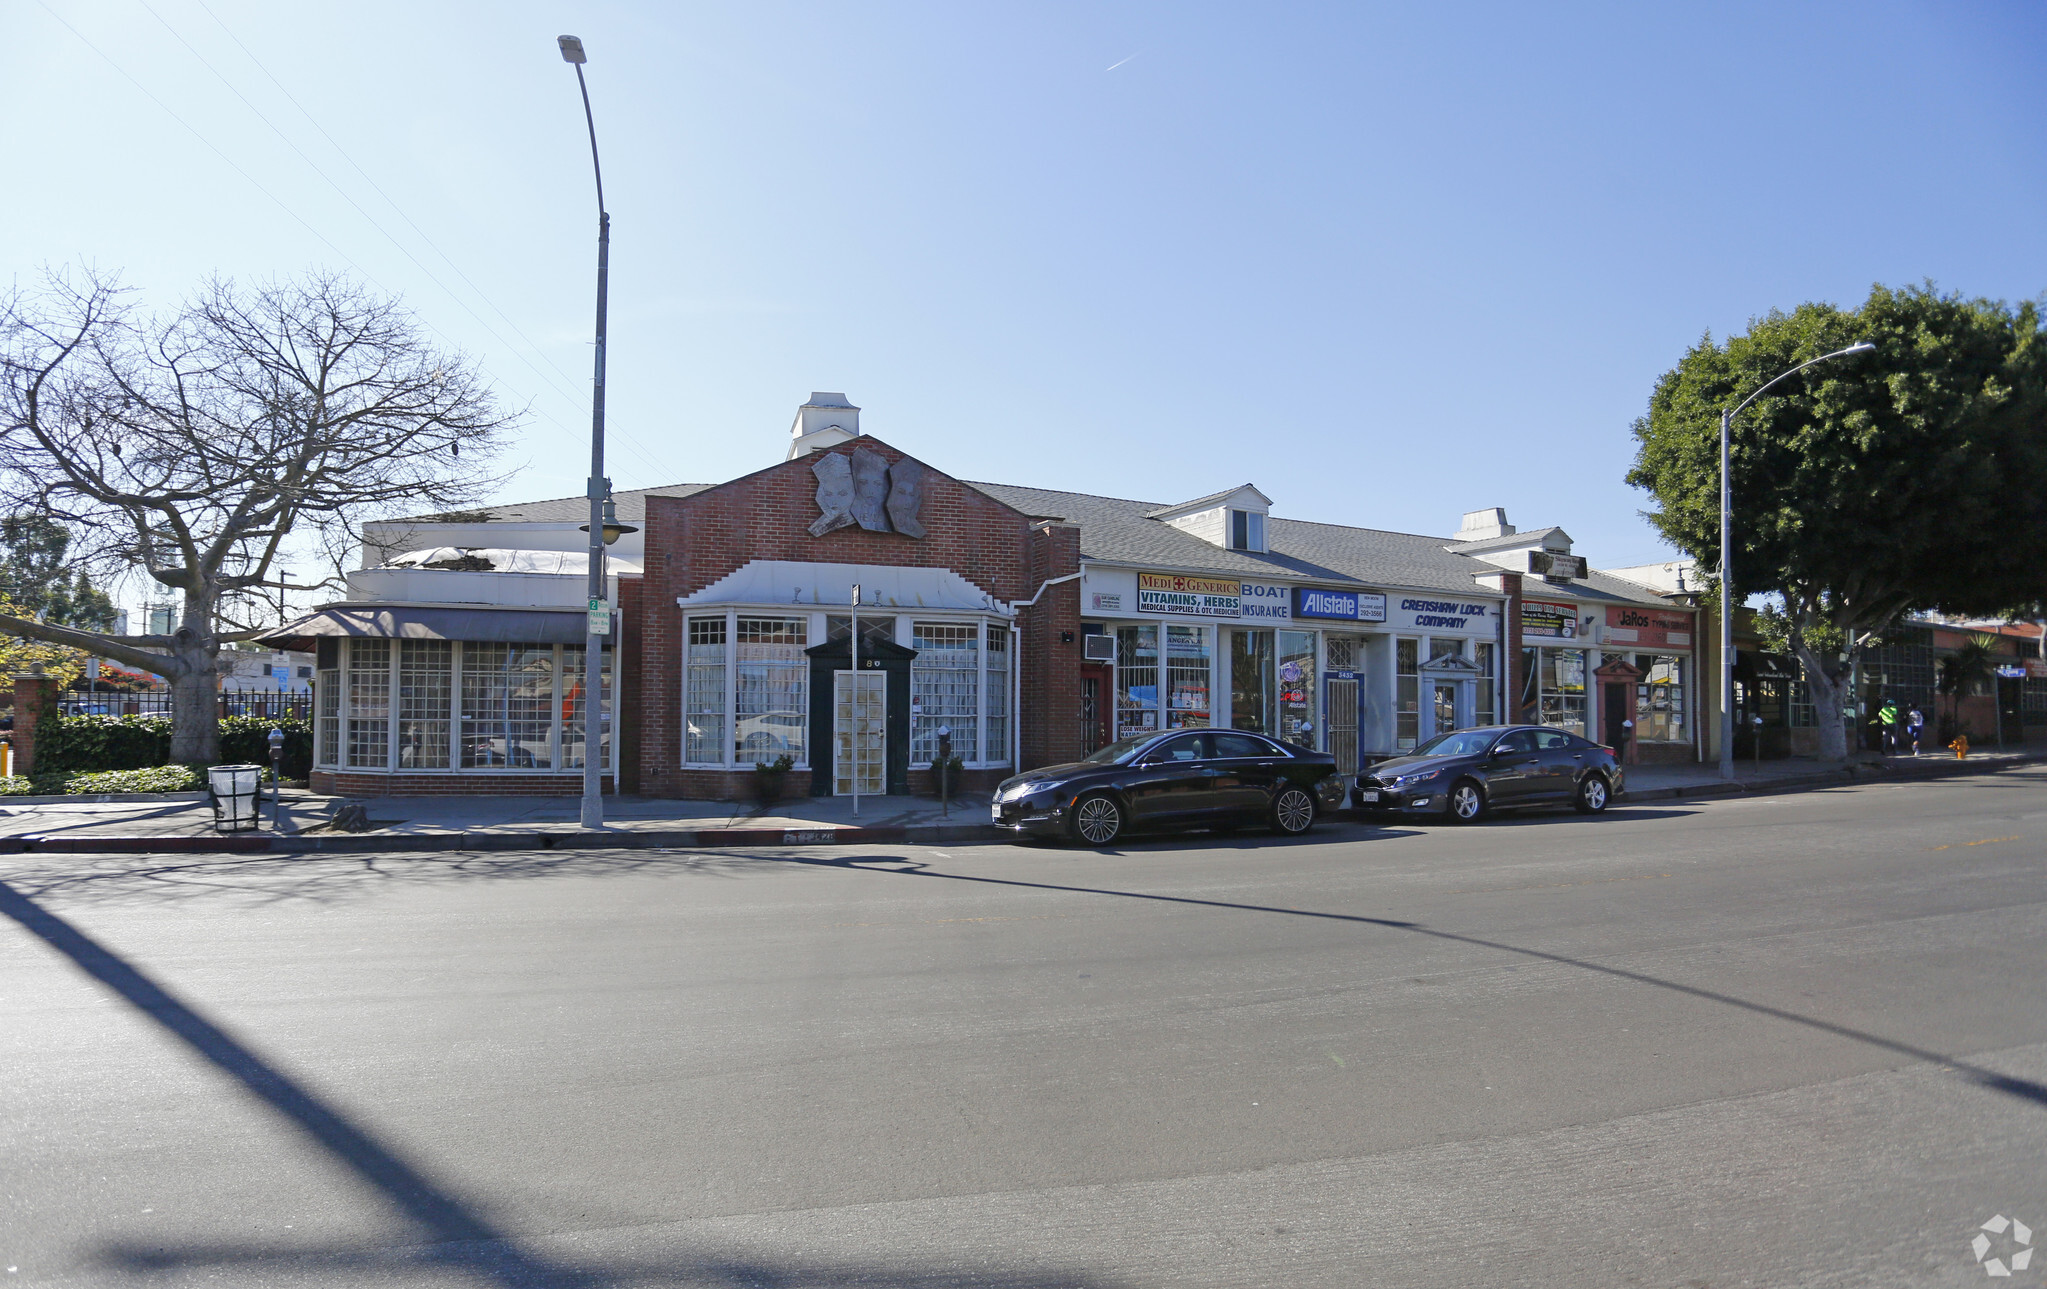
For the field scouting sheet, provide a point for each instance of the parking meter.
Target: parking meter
(276, 778)
(945, 763)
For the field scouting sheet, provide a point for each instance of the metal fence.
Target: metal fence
(269, 705)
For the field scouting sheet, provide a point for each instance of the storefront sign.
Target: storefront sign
(1343, 606)
(1651, 627)
(1442, 615)
(1549, 618)
(1263, 600)
(1107, 602)
(1204, 597)
(2012, 671)
(2036, 669)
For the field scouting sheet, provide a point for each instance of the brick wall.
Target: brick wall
(344, 783)
(1513, 715)
(35, 701)
(1050, 718)
(694, 541)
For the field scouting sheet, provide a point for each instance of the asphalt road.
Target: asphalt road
(1792, 1040)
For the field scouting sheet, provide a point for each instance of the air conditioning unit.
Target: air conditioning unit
(1098, 648)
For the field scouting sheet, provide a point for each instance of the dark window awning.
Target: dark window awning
(414, 622)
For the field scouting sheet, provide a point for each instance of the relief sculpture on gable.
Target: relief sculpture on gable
(870, 490)
(863, 488)
(834, 493)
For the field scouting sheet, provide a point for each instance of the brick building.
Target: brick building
(1018, 626)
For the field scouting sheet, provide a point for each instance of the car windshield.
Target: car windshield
(1119, 752)
(1457, 743)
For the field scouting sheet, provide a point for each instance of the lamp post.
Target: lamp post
(599, 489)
(1727, 416)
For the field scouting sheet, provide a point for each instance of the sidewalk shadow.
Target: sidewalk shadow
(455, 1239)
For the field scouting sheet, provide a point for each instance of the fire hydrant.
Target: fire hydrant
(1961, 746)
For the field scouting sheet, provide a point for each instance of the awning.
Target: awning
(413, 622)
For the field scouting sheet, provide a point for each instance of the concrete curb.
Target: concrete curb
(891, 834)
(1863, 773)
(104, 798)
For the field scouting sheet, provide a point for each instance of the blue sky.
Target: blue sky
(1389, 263)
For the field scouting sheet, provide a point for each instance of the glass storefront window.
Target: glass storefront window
(996, 747)
(1660, 699)
(369, 703)
(1187, 665)
(426, 676)
(704, 699)
(771, 689)
(1486, 656)
(1407, 693)
(1251, 677)
(573, 711)
(507, 691)
(945, 688)
(1557, 687)
(1137, 680)
(1297, 684)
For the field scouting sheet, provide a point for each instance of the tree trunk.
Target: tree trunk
(195, 689)
(1828, 701)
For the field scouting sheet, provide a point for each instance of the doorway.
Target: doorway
(1342, 724)
(1094, 708)
(859, 732)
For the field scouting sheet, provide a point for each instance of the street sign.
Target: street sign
(600, 618)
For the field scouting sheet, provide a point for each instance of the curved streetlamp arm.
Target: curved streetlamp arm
(598, 170)
(1860, 347)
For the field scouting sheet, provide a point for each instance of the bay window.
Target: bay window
(945, 689)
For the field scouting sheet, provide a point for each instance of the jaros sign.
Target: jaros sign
(1203, 597)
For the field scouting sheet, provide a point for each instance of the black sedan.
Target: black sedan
(1468, 773)
(1175, 779)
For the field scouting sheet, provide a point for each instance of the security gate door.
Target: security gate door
(1342, 723)
(859, 730)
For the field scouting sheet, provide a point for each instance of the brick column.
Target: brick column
(1050, 667)
(35, 701)
(1511, 664)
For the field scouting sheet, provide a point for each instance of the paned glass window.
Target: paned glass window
(944, 688)
(1137, 680)
(1187, 669)
(1407, 693)
(575, 715)
(996, 748)
(704, 704)
(426, 703)
(772, 683)
(1660, 699)
(1341, 653)
(1251, 677)
(1297, 685)
(1487, 658)
(369, 703)
(507, 706)
(330, 717)
(1561, 697)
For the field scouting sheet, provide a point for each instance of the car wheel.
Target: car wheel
(1097, 820)
(1592, 795)
(1293, 812)
(1467, 802)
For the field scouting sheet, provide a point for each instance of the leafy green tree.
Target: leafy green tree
(1911, 478)
(38, 574)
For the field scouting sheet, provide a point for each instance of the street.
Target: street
(1775, 1040)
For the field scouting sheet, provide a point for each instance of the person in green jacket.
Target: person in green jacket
(1887, 716)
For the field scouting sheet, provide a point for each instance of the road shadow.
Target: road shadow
(455, 1240)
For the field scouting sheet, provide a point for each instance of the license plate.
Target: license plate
(1364, 795)
(995, 812)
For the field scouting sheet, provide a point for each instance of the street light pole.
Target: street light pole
(599, 488)
(1727, 416)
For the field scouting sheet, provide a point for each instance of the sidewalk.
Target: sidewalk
(489, 823)
(184, 822)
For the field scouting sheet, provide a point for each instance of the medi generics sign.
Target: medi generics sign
(1203, 597)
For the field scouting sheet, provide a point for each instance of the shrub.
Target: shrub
(89, 743)
(67, 783)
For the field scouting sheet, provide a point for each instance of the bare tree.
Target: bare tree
(192, 445)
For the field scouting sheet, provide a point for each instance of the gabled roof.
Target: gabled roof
(1210, 502)
(1512, 541)
(1113, 530)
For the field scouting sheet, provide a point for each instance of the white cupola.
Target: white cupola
(826, 421)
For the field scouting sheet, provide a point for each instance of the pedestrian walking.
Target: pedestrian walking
(1915, 727)
(1888, 717)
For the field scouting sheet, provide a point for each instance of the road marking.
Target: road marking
(1556, 886)
(1987, 841)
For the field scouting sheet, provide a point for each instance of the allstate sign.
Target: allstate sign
(1347, 606)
